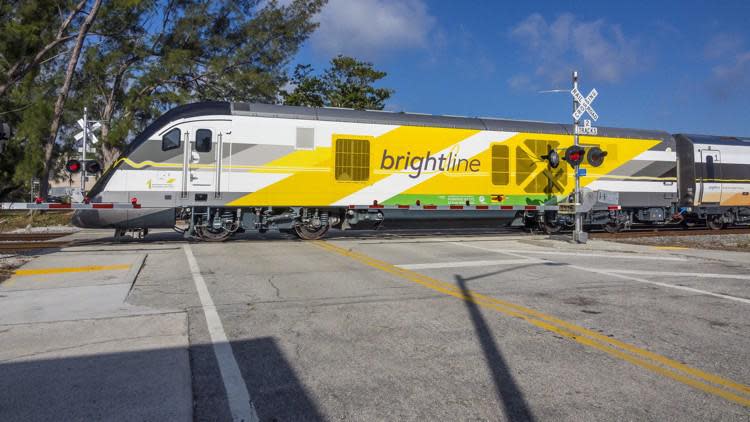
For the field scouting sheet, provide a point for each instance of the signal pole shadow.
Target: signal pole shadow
(509, 395)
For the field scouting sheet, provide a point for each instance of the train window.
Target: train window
(352, 160)
(203, 140)
(171, 140)
(500, 163)
(710, 170)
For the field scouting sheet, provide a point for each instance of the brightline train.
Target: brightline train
(232, 167)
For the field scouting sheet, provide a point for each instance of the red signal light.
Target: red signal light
(73, 166)
(574, 155)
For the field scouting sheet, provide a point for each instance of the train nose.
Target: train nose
(125, 218)
(88, 219)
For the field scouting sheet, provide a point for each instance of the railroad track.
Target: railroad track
(654, 232)
(29, 237)
(19, 242)
(29, 246)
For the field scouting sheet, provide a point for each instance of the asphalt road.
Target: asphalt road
(337, 330)
(458, 326)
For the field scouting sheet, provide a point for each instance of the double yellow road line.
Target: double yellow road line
(704, 381)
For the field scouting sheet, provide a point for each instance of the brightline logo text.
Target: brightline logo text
(418, 164)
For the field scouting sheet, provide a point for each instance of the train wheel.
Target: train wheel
(714, 222)
(311, 233)
(613, 227)
(550, 224)
(550, 228)
(212, 235)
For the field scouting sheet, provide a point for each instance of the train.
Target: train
(224, 168)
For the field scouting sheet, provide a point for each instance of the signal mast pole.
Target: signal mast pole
(578, 235)
(83, 154)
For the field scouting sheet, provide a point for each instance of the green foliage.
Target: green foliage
(26, 26)
(346, 83)
(162, 55)
(140, 58)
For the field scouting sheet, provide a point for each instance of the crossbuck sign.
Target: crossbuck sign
(92, 127)
(584, 106)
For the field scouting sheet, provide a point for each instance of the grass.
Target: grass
(10, 220)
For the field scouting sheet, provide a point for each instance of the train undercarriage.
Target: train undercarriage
(613, 221)
(217, 224)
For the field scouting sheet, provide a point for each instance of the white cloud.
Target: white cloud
(721, 45)
(368, 28)
(600, 50)
(731, 79)
(730, 66)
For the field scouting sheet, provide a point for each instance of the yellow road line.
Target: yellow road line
(88, 268)
(671, 248)
(675, 370)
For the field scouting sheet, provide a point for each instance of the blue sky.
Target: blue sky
(680, 66)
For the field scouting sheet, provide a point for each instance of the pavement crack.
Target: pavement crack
(275, 288)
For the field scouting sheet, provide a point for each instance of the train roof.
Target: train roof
(431, 120)
(207, 108)
(715, 140)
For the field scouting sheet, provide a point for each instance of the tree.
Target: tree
(200, 50)
(33, 37)
(346, 83)
(62, 96)
(31, 32)
(129, 61)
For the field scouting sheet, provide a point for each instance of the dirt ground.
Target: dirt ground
(727, 242)
(13, 220)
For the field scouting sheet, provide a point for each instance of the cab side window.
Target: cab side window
(171, 139)
(203, 140)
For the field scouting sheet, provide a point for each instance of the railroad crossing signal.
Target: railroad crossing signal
(574, 155)
(552, 157)
(96, 126)
(584, 104)
(92, 166)
(73, 166)
(595, 156)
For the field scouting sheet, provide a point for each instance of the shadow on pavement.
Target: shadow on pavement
(151, 385)
(511, 398)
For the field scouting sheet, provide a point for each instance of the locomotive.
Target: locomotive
(231, 167)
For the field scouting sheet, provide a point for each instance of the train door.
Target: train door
(201, 162)
(710, 177)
